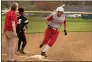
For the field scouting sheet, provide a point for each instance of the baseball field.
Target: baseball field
(76, 46)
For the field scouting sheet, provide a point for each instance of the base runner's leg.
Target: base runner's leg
(46, 37)
(53, 38)
(50, 43)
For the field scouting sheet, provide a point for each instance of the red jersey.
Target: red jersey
(10, 16)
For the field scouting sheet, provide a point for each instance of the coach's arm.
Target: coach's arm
(14, 28)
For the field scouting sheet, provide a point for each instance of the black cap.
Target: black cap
(21, 10)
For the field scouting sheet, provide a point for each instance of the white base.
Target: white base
(37, 58)
(32, 58)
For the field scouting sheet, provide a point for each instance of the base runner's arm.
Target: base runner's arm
(65, 24)
(49, 19)
(47, 22)
(65, 27)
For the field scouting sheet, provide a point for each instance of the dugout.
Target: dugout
(86, 16)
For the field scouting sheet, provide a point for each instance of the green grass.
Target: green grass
(37, 24)
(79, 26)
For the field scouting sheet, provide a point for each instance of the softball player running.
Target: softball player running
(22, 22)
(54, 22)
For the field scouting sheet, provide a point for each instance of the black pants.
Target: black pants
(22, 38)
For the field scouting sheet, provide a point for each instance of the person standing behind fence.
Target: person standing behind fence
(22, 23)
(10, 31)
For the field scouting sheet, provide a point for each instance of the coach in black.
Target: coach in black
(21, 24)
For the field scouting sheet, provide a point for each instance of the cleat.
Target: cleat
(8, 61)
(22, 52)
(43, 54)
(18, 50)
(41, 45)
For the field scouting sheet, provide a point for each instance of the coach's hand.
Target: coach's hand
(65, 32)
(15, 34)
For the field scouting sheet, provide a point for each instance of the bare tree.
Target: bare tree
(46, 5)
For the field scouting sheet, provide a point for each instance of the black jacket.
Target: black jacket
(22, 21)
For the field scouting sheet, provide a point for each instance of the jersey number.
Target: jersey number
(19, 21)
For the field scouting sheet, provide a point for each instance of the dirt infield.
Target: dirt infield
(76, 46)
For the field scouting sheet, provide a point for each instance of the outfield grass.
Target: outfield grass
(37, 24)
